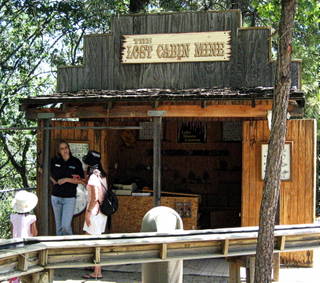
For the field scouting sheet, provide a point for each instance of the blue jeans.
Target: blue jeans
(63, 213)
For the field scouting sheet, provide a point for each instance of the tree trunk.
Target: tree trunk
(270, 197)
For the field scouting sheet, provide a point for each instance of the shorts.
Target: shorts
(98, 224)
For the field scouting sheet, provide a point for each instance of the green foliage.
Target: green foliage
(306, 43)
(5, 211)
(34, 36)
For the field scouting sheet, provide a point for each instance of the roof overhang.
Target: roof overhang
(212, 102)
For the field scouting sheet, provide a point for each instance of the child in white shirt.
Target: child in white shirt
(22, 221)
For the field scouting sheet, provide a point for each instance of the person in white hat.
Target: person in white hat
(23, 222)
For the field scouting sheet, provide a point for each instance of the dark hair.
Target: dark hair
(58, 147)
(98, 167)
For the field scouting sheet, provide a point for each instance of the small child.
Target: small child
(22, 221)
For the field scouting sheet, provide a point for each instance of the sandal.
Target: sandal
(90, 276)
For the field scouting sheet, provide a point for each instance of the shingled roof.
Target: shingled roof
(155, 94)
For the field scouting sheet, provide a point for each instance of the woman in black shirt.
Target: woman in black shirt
(66, 174)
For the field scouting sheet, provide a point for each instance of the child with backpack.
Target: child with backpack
(95, 221)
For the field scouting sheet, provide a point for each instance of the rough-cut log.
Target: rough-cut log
(270, 197)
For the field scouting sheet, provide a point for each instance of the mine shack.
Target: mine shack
(179, 104)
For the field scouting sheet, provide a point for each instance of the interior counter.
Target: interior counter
(132, 209)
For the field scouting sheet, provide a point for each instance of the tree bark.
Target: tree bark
(271, 191)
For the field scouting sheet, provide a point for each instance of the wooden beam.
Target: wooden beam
(163, 251)
(157, 129)
(23, 262)
(250, 268)
(276, 267)
(109, 106)
(243, 109)
(97, 255)
(234, 271)
(113, 249)
(214, 111)
(204, 104)
(225, 247)
(44, 216)
(43, 257)
(281, 241)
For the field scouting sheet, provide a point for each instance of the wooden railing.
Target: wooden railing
(40, 255)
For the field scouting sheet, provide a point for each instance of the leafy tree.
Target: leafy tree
(35, 35)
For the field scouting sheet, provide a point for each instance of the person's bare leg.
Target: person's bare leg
(96, 270)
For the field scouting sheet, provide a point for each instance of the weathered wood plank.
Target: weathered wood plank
(296, 74)
(234, 271)
(94, 55)
(123, 74)
(23, 262)
(163, 251)
(43, 257)
(107, 62)
(249, 64)
(225, 247)
(253, 57)
(296, 197)
(64, 79)
(97, 255)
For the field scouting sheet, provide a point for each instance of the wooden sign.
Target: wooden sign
(192, 132)
(176, 47)
(285, 165)
(79, 149)
(232, 130)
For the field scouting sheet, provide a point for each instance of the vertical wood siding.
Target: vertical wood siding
(249, 65)
(297, 196)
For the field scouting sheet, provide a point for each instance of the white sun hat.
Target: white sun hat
(24, 202)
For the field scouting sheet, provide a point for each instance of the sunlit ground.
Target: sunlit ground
(287, 275)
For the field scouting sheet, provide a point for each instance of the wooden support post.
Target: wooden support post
(97, 256)
(28, 278)
(45, 276)
(43, 202)
(250, 268)
(225, 247)
(163, 251)
(203, 104)
(282, 243)
(157, 127)
(276, 267)
(234, 271)
(43, 257)
(23, 262)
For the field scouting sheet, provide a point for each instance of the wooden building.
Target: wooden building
(179, 102)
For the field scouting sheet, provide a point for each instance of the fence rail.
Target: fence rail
(19, 257)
